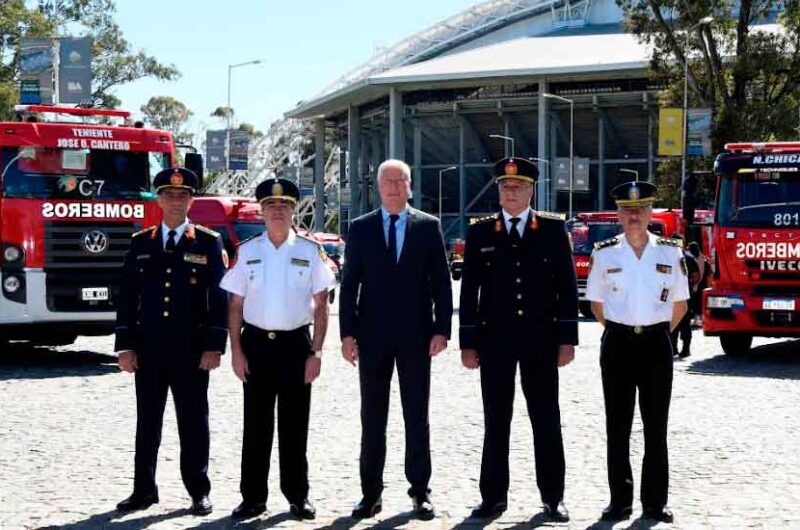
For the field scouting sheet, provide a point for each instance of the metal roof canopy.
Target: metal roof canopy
(555, 57)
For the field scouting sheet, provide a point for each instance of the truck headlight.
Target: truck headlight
(12, 253)
(724, 302)
(11, 284)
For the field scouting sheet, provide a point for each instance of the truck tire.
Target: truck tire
(736, 345)
(586, 309)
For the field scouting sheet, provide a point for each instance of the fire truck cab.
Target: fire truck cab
(72, 191)
(755, 286)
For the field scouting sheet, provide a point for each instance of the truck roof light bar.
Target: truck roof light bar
(762, 147)
(73, 111)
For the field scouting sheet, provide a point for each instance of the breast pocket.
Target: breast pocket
(299, 277)
(617, 289)
(253, 277)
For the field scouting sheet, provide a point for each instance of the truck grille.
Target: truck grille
(64, 245)
(70, 266)
(788, 319)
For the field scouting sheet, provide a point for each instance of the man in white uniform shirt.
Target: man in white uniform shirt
(278, 286)
(638, 290)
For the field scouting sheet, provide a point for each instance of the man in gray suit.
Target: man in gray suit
(395, 307)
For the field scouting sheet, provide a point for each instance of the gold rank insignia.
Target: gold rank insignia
(277, 189)
(323, 254)
(553, 216)
(684, 268)
(511, 168)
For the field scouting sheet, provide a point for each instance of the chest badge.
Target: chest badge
(664, 269)
(199, 259)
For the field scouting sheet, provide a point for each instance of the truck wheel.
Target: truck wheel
(586, 309)
(736, 345)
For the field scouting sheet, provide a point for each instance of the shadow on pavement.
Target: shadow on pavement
(780, 360)
(641, 523)
(108, 520)
(23, 361)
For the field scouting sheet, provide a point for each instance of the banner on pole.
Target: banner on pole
(670, 132)
(75, 70)
(699, 132)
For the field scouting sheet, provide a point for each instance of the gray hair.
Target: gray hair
(394, 163)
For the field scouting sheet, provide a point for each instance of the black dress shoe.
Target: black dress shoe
(246, 510)
(303, 510)
(556, 512)
(659, 513)
(137, 502)
(684, 354)
(423, 507)
(613, 512)
(202, 506)
(366, 508)
(488, 510)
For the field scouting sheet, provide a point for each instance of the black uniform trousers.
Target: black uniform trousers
(631, 361)
(539, 380)
(156, 374)
(276, 361)
(684, 331)
(375, 373)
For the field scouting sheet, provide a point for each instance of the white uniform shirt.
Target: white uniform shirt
(278, 284)
(637, 291)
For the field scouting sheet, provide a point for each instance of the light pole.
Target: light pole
(228, 108)
(571, 142)
(702, 22)
(503, 137)
(445, 170)
(635, 173)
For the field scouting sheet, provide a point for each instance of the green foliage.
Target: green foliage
(169, 114)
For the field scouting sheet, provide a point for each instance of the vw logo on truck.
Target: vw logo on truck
(95, 241)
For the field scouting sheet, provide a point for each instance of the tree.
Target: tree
(115, 61)
(250, 129)
(749, 77)
(165, 112)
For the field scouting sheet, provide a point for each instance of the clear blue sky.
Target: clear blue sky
(303, 46)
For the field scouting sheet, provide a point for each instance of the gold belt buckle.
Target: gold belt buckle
(638, 329)
(271, 335)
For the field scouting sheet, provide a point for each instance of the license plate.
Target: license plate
(92, 294)
(778, 305)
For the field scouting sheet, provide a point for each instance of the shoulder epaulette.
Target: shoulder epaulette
(551, 215)
(147, 230)
(310, 239)
(208, 231)
(476, 220)
(669, 241)
(610, 242)
(249, 239)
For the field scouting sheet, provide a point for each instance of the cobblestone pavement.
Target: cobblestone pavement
(67, 421)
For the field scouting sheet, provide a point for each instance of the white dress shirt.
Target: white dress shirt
(179, 230)
(638, 291)
(523, 218)
(278, 284)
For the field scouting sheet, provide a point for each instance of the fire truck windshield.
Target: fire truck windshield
(248, 230)
(49, 173)
(760, 199)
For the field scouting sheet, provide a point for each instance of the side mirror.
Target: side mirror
(194, 162)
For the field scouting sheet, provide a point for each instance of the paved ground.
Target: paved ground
(67, 425)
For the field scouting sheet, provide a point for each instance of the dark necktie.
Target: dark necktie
(170, 247)
(393, 237)
(514, 233)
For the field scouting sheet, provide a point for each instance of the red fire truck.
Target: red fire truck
(587, 228)
(755, 286)
(73, 191)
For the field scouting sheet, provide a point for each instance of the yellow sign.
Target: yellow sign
(670, 132)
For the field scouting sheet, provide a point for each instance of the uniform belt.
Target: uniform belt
(273, 334)
(638, 330)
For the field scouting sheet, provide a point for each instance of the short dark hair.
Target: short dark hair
(694, 248)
